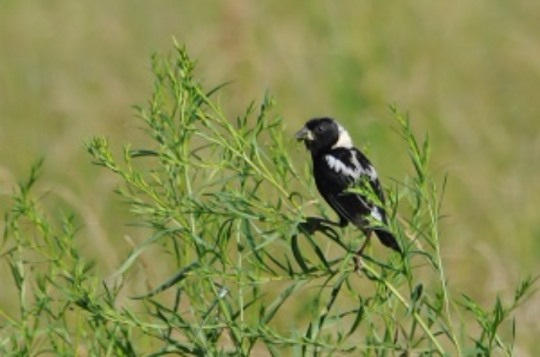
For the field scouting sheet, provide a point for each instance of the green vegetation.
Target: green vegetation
(225, 209)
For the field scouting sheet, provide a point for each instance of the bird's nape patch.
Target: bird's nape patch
(344, 139)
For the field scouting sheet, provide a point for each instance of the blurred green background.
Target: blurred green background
(467, 72)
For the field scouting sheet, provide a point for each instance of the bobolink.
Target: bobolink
(338, 167)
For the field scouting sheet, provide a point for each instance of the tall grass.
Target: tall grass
(229, 214)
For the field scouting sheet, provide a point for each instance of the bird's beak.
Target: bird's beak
(304, 135)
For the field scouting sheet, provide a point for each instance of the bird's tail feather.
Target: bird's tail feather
(388, 239)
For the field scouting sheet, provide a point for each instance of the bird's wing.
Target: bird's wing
(344, 169)
(371, 174)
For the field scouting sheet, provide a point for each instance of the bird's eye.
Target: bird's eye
(319, 129)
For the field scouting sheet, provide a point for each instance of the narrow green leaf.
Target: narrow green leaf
(142, 153)
(246, 229)
(178, 277)
(273, 308)
(360, 313)
(217, 88)
(416, 294)
(139, 250)
(298, 254)
(319, 253)
(333, 296)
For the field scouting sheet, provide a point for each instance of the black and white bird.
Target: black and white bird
(338, 167)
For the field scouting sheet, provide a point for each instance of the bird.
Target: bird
(339, 167)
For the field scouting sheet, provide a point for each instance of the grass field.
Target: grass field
(467, 73)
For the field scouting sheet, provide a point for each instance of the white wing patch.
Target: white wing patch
(370, 171)
(354, 170)
(341, 168)
(376, 213)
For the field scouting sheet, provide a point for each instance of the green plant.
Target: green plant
(250, 271)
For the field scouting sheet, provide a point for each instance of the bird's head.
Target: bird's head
(322, 134)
